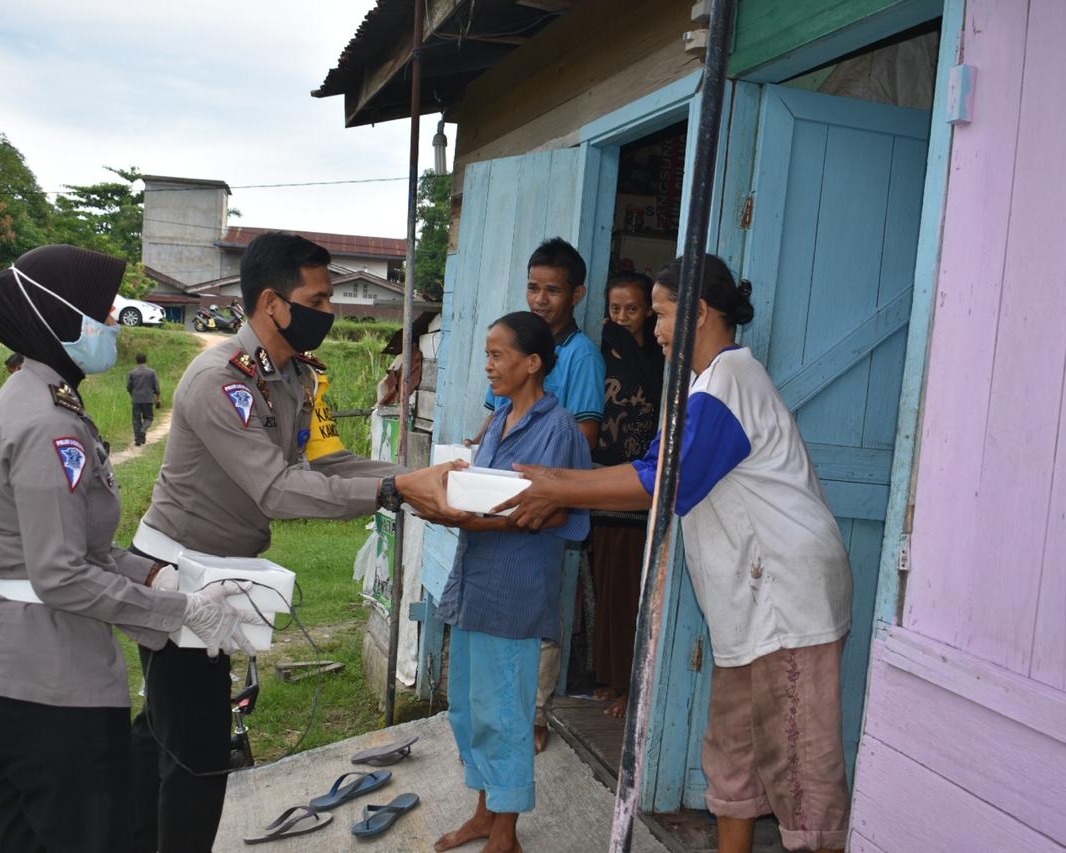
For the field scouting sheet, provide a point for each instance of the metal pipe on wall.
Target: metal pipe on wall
(408, 356)
(658, 553)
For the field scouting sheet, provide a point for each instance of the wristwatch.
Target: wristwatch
(389, 497)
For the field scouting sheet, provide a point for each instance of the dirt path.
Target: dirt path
(161, 425)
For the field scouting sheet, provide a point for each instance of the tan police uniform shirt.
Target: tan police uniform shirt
(235, 460)
(59, 508)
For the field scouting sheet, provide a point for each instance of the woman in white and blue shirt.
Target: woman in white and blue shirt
(769, 569)
(502, 596)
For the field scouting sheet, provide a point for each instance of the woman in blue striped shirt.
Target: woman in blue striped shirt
(502, 597)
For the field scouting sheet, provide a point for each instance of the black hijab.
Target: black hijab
(86, 279)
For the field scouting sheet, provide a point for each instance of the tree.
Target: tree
(431, 249)
(136, 283)
(25, 214)
(106, 217)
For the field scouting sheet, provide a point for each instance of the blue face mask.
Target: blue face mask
(95, 350)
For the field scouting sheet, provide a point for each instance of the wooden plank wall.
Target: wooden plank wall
(597, 58)
(965, 736)
(989, 547)
(957, 755)
(769, 33)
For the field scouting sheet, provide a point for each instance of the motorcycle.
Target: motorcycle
(211, 319)
(237, 309)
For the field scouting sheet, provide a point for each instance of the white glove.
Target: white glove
(217, 622)
(166, 579)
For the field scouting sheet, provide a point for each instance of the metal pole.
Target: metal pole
(658, 553)
(405, 380)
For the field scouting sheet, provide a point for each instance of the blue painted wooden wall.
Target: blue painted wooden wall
(510, 205)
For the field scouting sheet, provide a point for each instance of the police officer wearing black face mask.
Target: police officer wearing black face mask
(235, 459)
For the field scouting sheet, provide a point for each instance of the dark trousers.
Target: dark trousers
(64, 779)
(143, 415)
(186, 721)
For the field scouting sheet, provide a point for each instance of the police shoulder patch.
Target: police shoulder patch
(241, 397)
(71, 454)
(244, 363)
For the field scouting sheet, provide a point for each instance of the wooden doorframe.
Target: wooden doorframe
(602, 140)
(890, 591)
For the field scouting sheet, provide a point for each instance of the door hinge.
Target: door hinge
(747, 212)
(903, 563)
(697, 656)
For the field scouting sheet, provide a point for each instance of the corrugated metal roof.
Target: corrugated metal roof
(335, 244)
(467, 40)
(372, 42)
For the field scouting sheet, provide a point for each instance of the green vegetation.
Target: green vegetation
(434, 217)
(106, 217)
(356, 364)
(25, 213)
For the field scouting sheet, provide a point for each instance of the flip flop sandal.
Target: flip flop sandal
(298, 820)
(363, 783)
(382, 756)
(376, 819)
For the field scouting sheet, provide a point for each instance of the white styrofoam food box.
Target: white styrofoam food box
(272, 592)
(448, 452)
(480, 489)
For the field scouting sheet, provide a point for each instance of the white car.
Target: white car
(135, 312)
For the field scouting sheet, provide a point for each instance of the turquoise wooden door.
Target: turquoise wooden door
(836, 201)
(510, 205)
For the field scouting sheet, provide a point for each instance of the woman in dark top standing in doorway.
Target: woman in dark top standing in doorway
(630, 419)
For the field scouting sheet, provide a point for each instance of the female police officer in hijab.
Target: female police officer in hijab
(64, 701)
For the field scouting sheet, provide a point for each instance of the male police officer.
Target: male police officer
(235, 459)
(142, 384)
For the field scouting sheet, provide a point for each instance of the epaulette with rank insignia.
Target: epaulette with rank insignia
(244, 363)
(67, 398)
(312, 361)
(266, 366)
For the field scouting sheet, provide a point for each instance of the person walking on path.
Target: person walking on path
(143, 387)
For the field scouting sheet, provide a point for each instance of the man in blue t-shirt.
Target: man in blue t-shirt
(556, 285)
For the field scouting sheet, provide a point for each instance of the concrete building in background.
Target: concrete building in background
(194, 256)
(183, 221)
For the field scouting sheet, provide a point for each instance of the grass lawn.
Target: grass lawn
(354, 370)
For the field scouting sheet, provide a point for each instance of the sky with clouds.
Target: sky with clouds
(216, 89)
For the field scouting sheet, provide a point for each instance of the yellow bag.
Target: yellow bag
(324, 436)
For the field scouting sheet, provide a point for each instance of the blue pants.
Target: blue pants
(492, 696)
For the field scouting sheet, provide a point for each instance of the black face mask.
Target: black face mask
(307, 327)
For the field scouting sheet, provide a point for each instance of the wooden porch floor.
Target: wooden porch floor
(597, 738)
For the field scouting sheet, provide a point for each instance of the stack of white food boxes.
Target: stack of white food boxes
(271, 592)
(477, 489)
